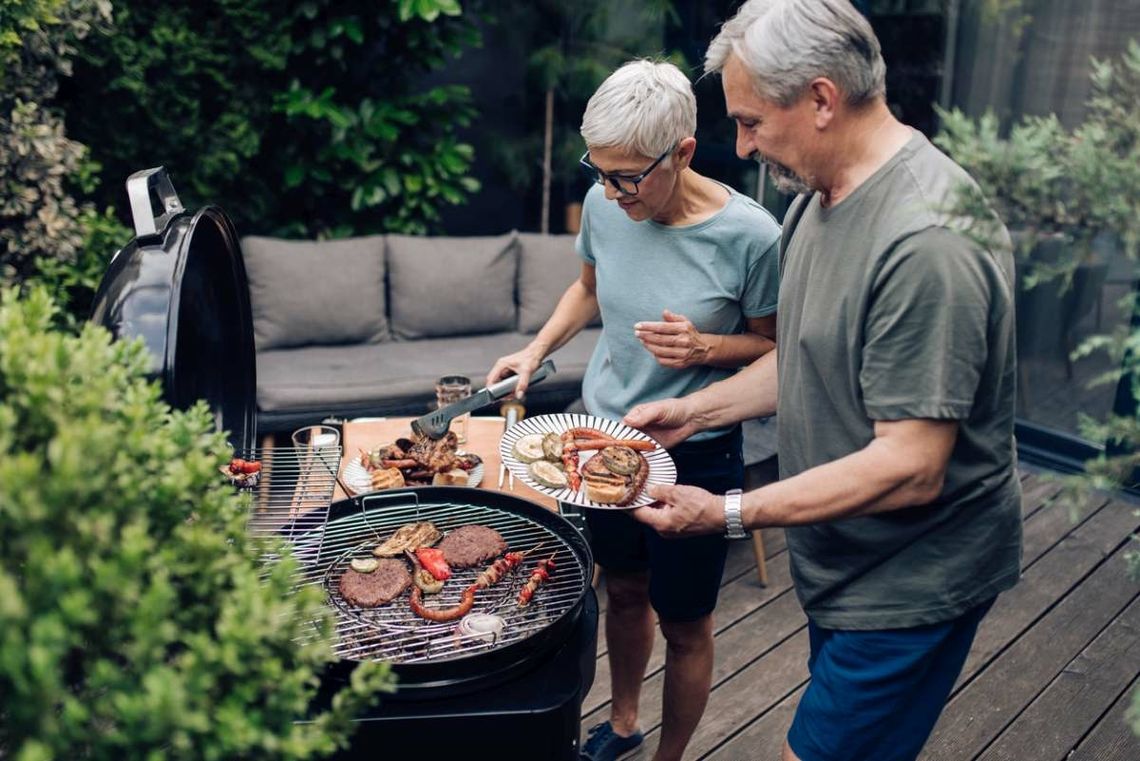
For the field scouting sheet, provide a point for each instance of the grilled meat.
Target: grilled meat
(410, 536)
(472, 545)
(436, 455)
(382, 586)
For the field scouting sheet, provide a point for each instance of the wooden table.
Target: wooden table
(483, 435)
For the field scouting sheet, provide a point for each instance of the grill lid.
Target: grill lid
(180, 285)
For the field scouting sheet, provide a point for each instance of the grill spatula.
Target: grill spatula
(435, 424)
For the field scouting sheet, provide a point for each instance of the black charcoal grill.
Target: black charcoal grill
(181, 286)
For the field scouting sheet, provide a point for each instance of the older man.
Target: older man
(893, 379)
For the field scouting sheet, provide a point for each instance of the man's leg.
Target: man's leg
(688, 677)
(877, 694)
(629, 637)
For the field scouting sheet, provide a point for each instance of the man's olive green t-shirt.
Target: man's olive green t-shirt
(887, 313)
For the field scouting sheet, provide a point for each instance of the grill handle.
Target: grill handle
(388, 496)
(140, 185)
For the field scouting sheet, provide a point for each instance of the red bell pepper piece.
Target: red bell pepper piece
(432, 559)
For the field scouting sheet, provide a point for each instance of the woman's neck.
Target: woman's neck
(695, 199)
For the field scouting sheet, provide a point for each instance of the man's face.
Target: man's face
(766, 131)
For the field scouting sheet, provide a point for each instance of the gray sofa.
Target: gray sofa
(365, 326)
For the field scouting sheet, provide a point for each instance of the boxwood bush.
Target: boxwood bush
(135, 618)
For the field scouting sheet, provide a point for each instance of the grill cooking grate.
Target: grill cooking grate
(293, 496)
(393, 632)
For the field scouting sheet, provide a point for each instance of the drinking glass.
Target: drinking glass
(448, 390)
(322, 442)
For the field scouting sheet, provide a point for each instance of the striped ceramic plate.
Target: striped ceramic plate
(662, 470)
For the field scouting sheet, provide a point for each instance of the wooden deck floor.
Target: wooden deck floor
(1050, 675)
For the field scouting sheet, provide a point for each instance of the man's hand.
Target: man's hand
(667, 421)
(675, 342)
(683, 511)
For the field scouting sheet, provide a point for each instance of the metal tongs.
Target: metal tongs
(435, 424)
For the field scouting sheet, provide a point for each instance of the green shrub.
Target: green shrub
(302, 119)
(134, 622)
(47, 236)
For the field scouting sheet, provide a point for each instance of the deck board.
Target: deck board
(1051, 672)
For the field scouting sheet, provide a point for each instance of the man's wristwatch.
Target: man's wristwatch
(733, 518)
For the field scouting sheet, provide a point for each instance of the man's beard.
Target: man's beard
(783, 178)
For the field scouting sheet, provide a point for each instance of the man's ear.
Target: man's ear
(683, 155)
(825, 98)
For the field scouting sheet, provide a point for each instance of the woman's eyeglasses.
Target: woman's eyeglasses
(622, 183)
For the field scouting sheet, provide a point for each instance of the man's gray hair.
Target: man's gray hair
(785, 44)
(644, 107)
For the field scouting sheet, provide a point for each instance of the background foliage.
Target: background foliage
(300, 119)
(45, 233)
(1070, 188)
(134, 619)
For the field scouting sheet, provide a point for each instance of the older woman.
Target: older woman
(684, 272)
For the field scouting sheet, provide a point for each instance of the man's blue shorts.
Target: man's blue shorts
(877, 694)
(684, 574)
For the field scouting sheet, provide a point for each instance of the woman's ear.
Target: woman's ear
(683, 155)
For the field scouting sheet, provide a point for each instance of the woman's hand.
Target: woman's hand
(675, 342)
(522, 363)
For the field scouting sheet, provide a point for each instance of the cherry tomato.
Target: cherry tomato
(251, 466)
(237, 465)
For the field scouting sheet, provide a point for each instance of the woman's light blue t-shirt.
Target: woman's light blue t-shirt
(717, 273)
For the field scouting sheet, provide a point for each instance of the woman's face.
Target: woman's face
(653, 192)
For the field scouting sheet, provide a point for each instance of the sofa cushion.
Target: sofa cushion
(548, 264)
(446, 286)
(339, 378)
(316, 292)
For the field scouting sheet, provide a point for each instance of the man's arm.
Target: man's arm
(748, 394)
(903, 466)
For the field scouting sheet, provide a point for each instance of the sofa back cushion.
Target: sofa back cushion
(444, 286)
(548, 264)
(316, 292)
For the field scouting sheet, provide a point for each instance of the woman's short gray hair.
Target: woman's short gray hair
(644, 107)
(785, 44)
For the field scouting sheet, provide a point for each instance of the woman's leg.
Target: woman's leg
(629, 637)
(688, 677)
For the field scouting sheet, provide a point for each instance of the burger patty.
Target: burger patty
(469, 546)
(382, 586)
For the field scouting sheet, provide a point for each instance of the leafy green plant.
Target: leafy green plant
(299, 119)
(43, 229)
(135, 618)
(1069, 188)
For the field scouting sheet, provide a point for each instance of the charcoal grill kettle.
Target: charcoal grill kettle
(180, 285)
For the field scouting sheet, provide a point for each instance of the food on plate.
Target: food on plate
(606, 487)
(528, 448)
(432, 559)
(548, 474)
(410, 536)
(419, 460)
(244, 474)
(620, 459)
(552, 447)
(380, 587)
(469, 546)
(442, 615)
(386, 478)
(604, 493)
(482, 626)
(457, 477)
(541, 573)
(364, 565)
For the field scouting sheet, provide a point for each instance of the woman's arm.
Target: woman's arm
(577, 307)
(677, 343)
